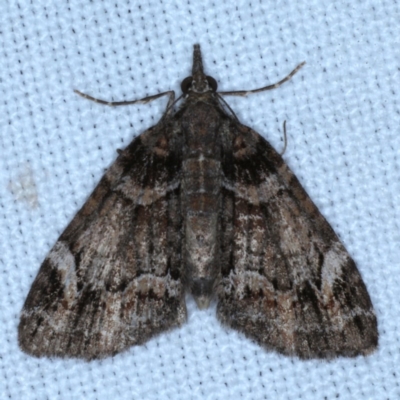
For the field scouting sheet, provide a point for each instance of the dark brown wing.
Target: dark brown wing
(287, 281)
(113, 279)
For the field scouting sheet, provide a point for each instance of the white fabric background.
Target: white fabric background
(343, 118)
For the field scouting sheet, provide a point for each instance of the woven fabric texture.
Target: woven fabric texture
(343, 116)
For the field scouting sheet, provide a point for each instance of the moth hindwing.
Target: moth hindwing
(204, 204)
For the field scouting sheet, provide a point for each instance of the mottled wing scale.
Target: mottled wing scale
(287, 281)
(113, 279)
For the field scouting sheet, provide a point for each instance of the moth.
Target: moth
(198, 203)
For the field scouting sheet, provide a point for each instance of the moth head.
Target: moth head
(198, 82)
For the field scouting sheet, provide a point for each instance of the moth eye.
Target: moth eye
(213, 83)
(186, 83)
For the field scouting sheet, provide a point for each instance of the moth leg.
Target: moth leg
(170, 94)
(244, 93)
(284, 139)
(227, 106)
